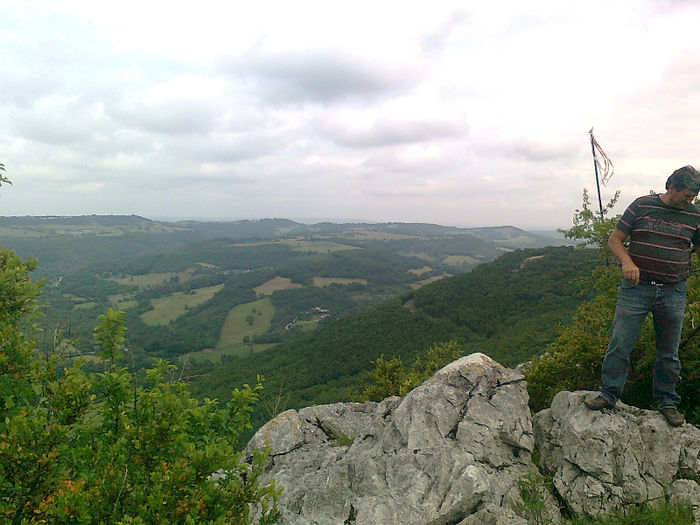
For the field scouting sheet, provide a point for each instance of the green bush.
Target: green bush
(390, 378)
(102, 448)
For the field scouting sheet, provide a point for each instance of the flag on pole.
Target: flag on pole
(602, 161)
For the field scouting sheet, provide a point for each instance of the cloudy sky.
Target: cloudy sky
(459, 113)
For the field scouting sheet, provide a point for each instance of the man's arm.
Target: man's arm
(629, 269)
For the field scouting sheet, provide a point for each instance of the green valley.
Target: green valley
(217, 291)
(510, 309)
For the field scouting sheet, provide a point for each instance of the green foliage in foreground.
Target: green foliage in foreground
(391, 378)
(101, 448)
(643, 515)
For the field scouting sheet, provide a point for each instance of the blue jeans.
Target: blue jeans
(667, 305)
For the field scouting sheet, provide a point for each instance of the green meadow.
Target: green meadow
(245, 320)
(170, 307)
(151, 279)
(277, 283)
(429, 280)
(420, 271)
(456, 260)
(214, 355)
(316, 246)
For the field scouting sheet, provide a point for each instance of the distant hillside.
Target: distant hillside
(217, 291)
(509, 309)
(65, 244)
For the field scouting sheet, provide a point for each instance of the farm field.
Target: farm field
(163, 275)
(316, 246)
(369, 235)
(420, 271)
(169, 308)
(215, 355)
(278, 283)
(244, 321)
(303, 245)
(455, 260)
(429, 280)
(122, 301)
(151, 279)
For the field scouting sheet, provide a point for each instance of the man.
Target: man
(655, 267)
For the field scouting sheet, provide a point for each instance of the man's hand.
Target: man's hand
(616, 243)
(631, 272)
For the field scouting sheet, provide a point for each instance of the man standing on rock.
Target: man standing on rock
(655, 267)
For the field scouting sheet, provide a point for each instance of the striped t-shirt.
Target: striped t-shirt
(660, 238)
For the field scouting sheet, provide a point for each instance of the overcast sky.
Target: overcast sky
(460, 113)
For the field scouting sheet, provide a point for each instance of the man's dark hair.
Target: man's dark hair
(685, 178)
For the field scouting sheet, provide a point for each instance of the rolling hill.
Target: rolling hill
(509, 309)
(189, 288)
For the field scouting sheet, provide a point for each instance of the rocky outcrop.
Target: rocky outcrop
(604, 461)
(456, 450)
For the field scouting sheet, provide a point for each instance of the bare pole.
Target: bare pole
(597, 181)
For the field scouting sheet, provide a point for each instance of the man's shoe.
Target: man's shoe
(673, 416)
(597, 402)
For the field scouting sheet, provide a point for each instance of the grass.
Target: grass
(214, 355)
(456, 260)
(429, 280)
(6, 231)
(643, 515)
(278, 283)
(170, 307)
(534, 486)
(302, 245)
(299, 245)
(244, 320)
(151, 279)
(376, 235)
(325, 281)
(122, 301)
(55, 227)
(420, 271)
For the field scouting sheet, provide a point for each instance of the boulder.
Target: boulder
(451, 451)
(603, 461)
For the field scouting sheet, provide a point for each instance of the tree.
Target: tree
(74, 449)
(109, 333)
(390, 378)
(589, 228)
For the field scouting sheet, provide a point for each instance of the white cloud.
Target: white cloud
(448, 113)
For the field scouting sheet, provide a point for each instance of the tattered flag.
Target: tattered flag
(602, 161)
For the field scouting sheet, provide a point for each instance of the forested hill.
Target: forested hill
(508, 309)
(65, 244)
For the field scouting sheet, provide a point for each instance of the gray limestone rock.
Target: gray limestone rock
(451, 451)
(456, 450)
(602, 461)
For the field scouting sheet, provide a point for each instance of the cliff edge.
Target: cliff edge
(459, 450)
